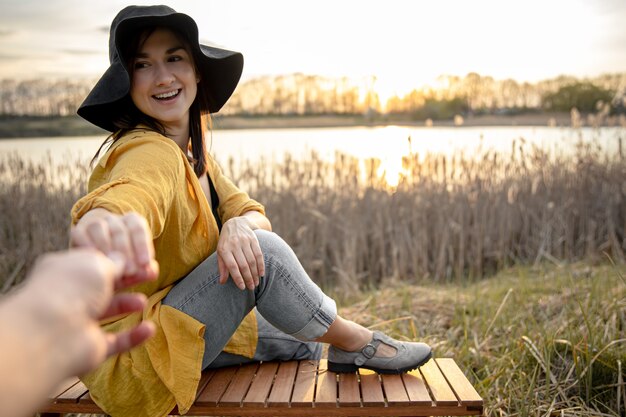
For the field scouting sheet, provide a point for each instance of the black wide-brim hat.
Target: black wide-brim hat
(219, 69)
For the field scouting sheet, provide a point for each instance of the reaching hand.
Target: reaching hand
(128, 235)
(239, 253)
(70, 292)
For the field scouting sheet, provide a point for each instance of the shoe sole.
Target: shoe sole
(344, 368)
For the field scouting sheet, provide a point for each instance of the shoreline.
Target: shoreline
(34, 126)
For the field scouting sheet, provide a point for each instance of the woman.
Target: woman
(156, 185)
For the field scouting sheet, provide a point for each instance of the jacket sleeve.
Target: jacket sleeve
(140, 175)
(233, 201)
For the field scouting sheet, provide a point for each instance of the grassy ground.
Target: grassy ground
(543, 341)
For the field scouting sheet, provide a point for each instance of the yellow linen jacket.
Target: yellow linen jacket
(148, 173)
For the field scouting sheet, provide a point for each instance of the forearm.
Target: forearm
(258, 220)
(31, 363)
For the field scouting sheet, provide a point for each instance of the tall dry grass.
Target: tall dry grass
(450, 218)
(35, 199)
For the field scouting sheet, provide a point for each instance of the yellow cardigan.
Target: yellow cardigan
(148, 173)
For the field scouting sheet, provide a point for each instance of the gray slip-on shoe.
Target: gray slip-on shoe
(409, 355)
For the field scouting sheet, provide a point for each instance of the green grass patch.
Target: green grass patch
(541, 341)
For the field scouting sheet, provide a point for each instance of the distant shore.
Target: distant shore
(33, 126)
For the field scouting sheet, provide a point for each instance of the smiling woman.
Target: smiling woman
(164, 81)
(229, 291)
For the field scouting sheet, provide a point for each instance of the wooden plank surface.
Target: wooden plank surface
(261, 385)
(204, 381)
(72, 394)
(263, 391)
(283, 385)
(349, 393)
(416, 388)
(459, 382)
(304, 385)
(238, 387)
(371, 388)
(64, 386)
(214, 391)
(441, 392)
(394, 390)
(326, 391)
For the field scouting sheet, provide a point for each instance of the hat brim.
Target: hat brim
(219, 70)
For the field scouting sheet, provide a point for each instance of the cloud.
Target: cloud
(12, 57)
(6, 33)
(81, 52)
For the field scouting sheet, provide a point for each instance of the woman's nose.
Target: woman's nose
(164, 76)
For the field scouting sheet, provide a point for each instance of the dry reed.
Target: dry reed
(450, 218)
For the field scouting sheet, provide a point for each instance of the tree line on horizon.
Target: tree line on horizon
(301, 94)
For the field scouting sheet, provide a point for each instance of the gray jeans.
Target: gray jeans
(293, 310)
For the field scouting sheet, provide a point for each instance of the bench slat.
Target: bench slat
(73, 394)
(394, 390)
(214, 391)
(371, 389)
(204, 380)
(304, 386)
(459, 383)
(261, 385)
(349, 394)
(326, 395)
(283, 384)
(238, 388)
(64, 386)
(439, 388)
(416, 388)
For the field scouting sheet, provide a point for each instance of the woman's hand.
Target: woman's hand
(128, 235)
(239, 253)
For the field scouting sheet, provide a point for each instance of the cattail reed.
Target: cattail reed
(449, 218)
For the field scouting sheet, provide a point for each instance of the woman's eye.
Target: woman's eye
(175, 58)
(139, 65)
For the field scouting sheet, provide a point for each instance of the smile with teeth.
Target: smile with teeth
(166, 96)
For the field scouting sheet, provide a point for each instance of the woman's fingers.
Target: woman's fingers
(148, 273)
(128, 235)
(140, 237)
(244, 266)
(252, 265)
(244, 269)
(230, 263)
(239, 253)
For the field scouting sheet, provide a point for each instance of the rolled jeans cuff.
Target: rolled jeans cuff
(321, 321)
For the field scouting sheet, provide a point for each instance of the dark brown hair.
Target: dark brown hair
(129, 116)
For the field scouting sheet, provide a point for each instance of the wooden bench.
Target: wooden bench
(307, 388)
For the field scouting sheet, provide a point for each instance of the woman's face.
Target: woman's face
(164, 80)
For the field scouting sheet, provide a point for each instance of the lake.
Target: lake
(388, 143)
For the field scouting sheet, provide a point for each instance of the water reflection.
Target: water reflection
(387, 144)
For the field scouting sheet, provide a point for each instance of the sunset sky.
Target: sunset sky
(405, 44)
